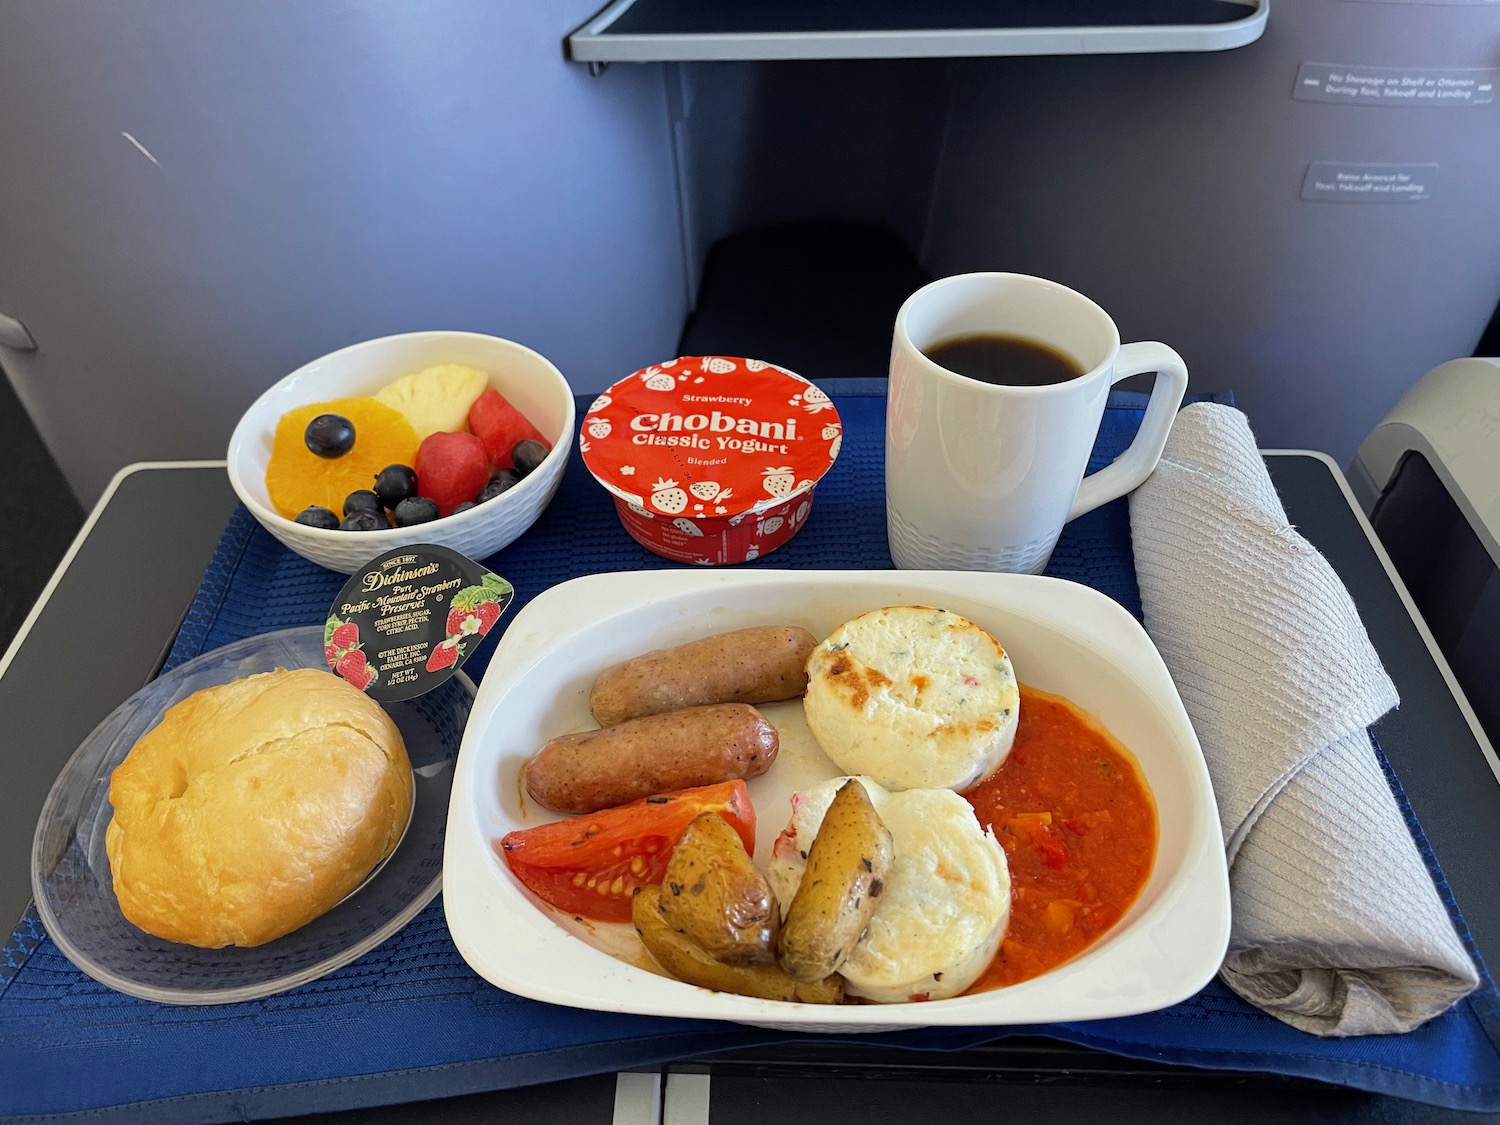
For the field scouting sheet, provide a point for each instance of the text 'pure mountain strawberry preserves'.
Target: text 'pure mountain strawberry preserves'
(711, 459)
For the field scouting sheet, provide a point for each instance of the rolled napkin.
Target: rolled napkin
(1337, 928)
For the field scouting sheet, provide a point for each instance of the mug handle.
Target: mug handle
(1136, 463)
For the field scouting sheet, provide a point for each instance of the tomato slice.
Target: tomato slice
(591, 865)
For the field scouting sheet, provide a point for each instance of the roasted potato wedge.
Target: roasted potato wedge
(687, 962)
(847, 868)
(712, 894)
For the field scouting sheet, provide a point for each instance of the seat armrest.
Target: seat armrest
(1452, 418)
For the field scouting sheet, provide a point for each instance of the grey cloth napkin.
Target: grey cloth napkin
(1337, 928)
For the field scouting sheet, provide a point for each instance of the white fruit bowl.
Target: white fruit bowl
(531, 383)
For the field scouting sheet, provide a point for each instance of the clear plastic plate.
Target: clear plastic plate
(70, 876)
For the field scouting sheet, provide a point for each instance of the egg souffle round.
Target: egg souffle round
(914, 697)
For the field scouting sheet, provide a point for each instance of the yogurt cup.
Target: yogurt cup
(711, 459)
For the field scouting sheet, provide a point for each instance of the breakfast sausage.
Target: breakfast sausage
(598, 769)
(758, 665)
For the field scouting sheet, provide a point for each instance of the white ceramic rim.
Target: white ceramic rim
(1099, 370)
(390, 538)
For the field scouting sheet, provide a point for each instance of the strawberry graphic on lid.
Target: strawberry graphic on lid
(355, 668)
(778, 481)
(658, 380)
(667, 497)
(462, 623)
(476, 609)
(444, 655)
(488, 613)
(345, 653)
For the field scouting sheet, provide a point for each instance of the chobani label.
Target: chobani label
(723, 432)
(695, 447)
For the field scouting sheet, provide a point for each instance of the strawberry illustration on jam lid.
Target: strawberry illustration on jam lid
(404, 623)
(698, 450)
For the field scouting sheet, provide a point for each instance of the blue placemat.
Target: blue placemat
(411, 1021)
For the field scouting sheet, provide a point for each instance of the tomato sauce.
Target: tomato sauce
(1079, 828)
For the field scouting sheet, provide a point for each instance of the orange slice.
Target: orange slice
(297, 478)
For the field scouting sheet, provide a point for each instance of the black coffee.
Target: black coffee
(1007, 361)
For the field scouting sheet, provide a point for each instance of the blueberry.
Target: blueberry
(362, 519)
(329, 435)
(318, 517)
(395, 483)
(464, 507)
(503, 480)
(527, 454)
(362, 500)
(415, 509)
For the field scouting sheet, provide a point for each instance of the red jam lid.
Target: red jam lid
(710, 437)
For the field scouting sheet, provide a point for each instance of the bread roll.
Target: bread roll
(254, 807)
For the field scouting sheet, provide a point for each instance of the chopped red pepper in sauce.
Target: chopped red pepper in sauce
(1079, 829)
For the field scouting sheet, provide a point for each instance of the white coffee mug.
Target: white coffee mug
(983, 477)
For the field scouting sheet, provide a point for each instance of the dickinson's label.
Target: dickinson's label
(1332, 182)
(1394, 85)
(404, 623)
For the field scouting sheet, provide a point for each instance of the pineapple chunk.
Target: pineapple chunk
(437, 398)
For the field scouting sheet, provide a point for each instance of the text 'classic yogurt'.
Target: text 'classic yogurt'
(711, 459)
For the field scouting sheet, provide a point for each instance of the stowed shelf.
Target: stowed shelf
(694, 31)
